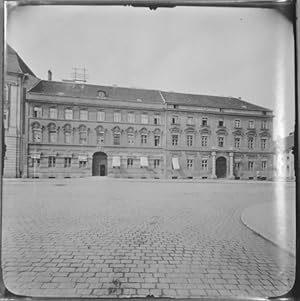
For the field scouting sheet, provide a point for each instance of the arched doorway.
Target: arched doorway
(221, 167)
(99, 164)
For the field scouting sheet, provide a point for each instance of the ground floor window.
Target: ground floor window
(156, 163)
(67, 162)
(237, 165)
(264, 165)
(82, 164)
(250, 165)
(204, 164)
(35, 162)
(51, 161)
(189, 163)
(129, 162)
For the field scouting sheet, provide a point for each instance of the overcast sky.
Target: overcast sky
(238, 52)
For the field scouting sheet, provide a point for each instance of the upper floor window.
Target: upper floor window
(221, 123)
(67, 133)
(68, 114)
(83, 115)
(204, 141)
(129, 162)
(156, 120)
(264, 124)
(52, 133)
(175, 139)
(36, 133)
(130, 138)
(237, 142)
(189, 140)
(100, 116)
(5, 117)
(237, 165)
(117, 116)
(189, 163)
(144, 118)
(263, 142)
(131, 117)
(156, 163)
(175, 119)
(204, 121)
(251, 124)
(237, 123)
(263, 165)
(82, 135)
(67, 162)
(250, 142)
(53, 113)
(190, 120)
(117, 138)
(37, 112)
(156, 140)
(101, 94)
(143, 139)
(6, 93)
(250, 165)
(100, 137)
(221, 141)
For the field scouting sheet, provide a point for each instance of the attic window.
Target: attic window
(139, 100)
(101, 94)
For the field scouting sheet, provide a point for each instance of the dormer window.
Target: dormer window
(101, 94)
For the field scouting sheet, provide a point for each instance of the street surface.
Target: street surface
(102, 237)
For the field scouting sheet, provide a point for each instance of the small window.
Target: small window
(100, 116)
(237, 165)
(174, 119)
(156, 140)
(204, 121)
(204, 164)
(82, 163)
(175, 106)
(143, 139)
(67, 162)
(117, 116)
(204, 141)
(68, 114)
(264, 165)
(131, 117)
(189, 163)
(156, 163)
(190, 120)
(83, 115)
(237, 142)
(117, 138)
(144, 118)
(175, 139)
(129, 162)
(221, 123)
(251, 124)
(237, 123)
(53, 113)
(37, 112)
(221, 141)
(51, 161)
(101, 94)
(250, 165)
(250, 142)
(189, 140)
(156, 120)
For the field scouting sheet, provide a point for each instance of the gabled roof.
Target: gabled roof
(79, 90)
(14, 63)
(211, 101)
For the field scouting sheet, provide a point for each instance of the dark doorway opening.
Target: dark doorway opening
(99, 164)
(221, 167)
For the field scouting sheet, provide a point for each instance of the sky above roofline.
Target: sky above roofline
(238, 52)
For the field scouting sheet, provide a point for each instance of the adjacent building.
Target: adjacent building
(69, 129)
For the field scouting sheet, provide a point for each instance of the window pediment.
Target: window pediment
(175, 130)
(205, 131)
(190, 129)
(222, 131)
(36, 125)
(265, 134)
(157, 131)
(143, 131)
(237, 133)
(251, 133)
(116, 129)
(130, 130)
(52, 126)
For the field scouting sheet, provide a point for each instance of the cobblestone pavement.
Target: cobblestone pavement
(100, 237)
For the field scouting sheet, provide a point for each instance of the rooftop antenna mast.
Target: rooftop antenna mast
(79, 75)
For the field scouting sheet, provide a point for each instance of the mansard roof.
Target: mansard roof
(79, 90)
(210, 101)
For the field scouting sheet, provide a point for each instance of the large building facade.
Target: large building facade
(78, 130)
(67, 129)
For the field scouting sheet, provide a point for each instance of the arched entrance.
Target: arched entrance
(221, 167)
(99, 164)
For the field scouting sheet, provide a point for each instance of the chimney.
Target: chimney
(49, 75)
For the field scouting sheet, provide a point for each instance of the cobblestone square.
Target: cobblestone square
(102, 237)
